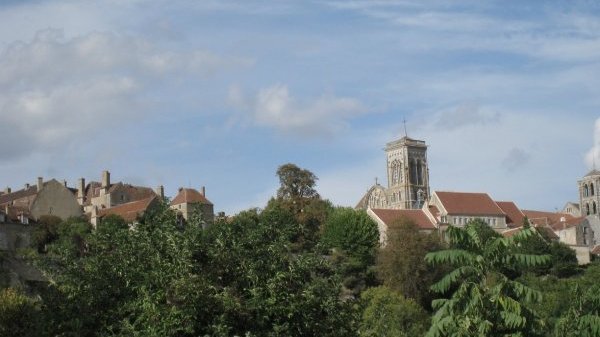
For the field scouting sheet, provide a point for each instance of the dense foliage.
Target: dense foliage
(482, 300)
(299, 267)
(388, 313)
(401, 262)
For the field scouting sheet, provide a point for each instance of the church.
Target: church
(408, 195)
(407, 176)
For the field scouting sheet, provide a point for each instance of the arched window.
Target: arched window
(594, 207)
(587, 209)
(592, 189)
(396, 174)
(585, 190)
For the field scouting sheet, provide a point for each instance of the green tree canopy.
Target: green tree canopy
(352, 231)
(387, 313)
(401, 262)
(296, 183)
(482, 300)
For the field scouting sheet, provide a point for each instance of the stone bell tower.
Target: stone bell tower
(407, 172)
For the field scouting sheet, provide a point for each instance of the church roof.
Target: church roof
(514, 216)
(467, 203)
(593, 172)
(391, 216)
(364, 201)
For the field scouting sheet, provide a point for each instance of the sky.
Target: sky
(220, 93)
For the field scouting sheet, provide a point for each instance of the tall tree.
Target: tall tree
(583, 317)
(353, 238)
(296, 183)
(387, 313)
(482, 300)
(352, 231)
(401, 263)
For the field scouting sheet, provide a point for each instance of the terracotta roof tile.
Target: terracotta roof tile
(468, 203)
(545, 218)
(189, 195)
(24, 193)
(391, 216)
(514, 216)
(510, 232)
(596, 250)
(128, 211)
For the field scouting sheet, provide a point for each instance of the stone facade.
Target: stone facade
(589, 198)
(55, 199)
(44, 198)
(407, 177)
(188, 200)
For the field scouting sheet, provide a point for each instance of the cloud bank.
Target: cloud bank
(592, 158)
(276, 108)
(56, 92)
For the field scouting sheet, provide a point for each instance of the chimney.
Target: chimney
(40, 183)
(7, 190)
(26, 186)
(65, 183)
(80, 190)
(160, 191)
(105, 179)
(203, 189)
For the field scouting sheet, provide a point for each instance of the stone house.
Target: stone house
(130, 211)
(188, 200)
(44, 198)
(388, 219)
(459, 208)
(105, 194)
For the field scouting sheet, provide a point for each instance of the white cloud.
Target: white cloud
(56, 91)
(463, 115)
(516, 159)
(592, 158)
(274, 107)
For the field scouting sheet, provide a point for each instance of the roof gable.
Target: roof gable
(514, 216)
(466, 203)
(390, 217)
(129, 211)
(189, 196)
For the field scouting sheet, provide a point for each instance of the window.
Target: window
(592, 189)
(585, 190)
(594, 207)
(585, 235)
(587, 209)
(493, 222)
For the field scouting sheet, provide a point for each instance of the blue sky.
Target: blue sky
(220, 93)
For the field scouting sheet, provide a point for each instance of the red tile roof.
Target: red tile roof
(391, 216)
(24, 193)
(189, 195)
(545, 231)
(510, 232)
(596, 250)
(458, 203)
(129, 211)
(514, 216)
(545, 218)
(568, 223)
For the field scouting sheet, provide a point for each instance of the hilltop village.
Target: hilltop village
(96, 258)
(407, 195)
